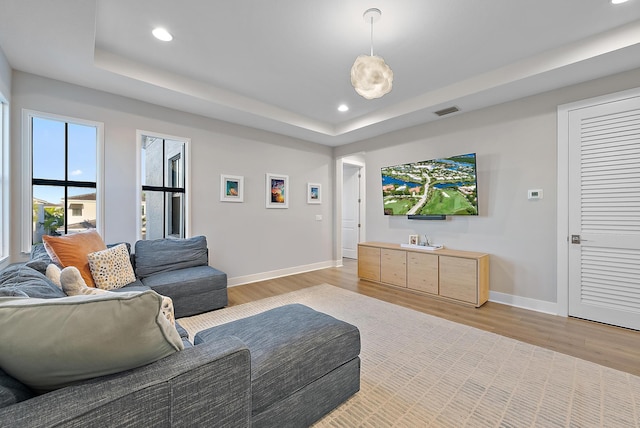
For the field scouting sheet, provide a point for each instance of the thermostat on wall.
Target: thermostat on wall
(535, 194)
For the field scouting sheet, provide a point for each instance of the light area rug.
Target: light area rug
(423, 371)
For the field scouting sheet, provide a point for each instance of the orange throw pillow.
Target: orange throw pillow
(73, 250)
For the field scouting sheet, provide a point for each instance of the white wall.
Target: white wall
(515, 143)
(246, 240)
(516, 151)
(5, 76)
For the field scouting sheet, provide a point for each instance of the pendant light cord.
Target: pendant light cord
(372, 36)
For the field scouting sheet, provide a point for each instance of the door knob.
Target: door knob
(575, 239)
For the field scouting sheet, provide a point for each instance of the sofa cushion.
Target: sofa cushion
(72, 250)
(165, 255)
(137, 285)
(19, 280)
(194, 290)
(291, 347)
(111, 268)
(55, 342)
(188, 281)
(12, 391)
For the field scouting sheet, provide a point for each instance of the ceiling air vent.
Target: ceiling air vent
(447, 110)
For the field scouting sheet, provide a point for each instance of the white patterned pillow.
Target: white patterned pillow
(111, 268)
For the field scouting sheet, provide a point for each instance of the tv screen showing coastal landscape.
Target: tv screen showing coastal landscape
(444, 186)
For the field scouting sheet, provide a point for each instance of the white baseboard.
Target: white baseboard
(263, 276)
(524, 302)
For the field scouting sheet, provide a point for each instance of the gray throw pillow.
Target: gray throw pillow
(164, 255)
(39, 258)
(12, 292)
(19, 279)
(38, 252)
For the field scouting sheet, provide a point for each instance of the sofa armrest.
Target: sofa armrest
(205, 385)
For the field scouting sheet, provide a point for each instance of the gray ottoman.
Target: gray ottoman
(304, 363)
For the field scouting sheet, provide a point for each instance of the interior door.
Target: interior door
(350, 211)
(604, 213)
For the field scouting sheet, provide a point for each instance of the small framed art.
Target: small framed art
(231, 188)
(414, 239)
(314, 193)
(277, 191)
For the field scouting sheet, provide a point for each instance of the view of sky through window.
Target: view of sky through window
(48, 138)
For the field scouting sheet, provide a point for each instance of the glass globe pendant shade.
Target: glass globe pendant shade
(371, 77)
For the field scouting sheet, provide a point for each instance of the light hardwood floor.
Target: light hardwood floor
(610, 346)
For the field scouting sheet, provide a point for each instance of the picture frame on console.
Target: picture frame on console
(231, 188)
(314, 193)
(414, 239)
(277, 190)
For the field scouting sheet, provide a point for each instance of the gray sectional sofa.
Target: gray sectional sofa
(286, 367)
(176, 268)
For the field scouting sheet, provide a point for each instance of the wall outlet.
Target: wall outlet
(318, 217)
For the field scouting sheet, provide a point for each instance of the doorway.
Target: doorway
(351, 200)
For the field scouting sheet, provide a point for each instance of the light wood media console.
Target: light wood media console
(460, 276)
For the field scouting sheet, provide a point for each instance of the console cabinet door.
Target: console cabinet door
(369, 263)
(393, 267)
(459, 278)
(422, 272)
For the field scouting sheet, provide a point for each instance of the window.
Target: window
(76, 209)
(163, 190)
(64, 178)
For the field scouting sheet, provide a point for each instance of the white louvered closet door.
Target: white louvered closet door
(604, 213)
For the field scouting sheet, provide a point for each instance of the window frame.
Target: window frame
(27, 171)
(174, 175)
(140, 135)
(4, 180)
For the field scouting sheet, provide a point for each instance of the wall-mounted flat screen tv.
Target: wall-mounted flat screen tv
(436, 187)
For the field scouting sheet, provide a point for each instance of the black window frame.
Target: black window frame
(66, 183)
(168, 191)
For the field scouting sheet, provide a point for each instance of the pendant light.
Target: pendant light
(370, 76)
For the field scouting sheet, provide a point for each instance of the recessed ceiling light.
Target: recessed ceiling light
(343, 108)
(162, 34)
(618, 1)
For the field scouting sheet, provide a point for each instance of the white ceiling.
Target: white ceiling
(283, 65)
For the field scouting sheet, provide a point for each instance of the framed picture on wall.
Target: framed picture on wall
(314, 193)
(277, 191)
(231, 188)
